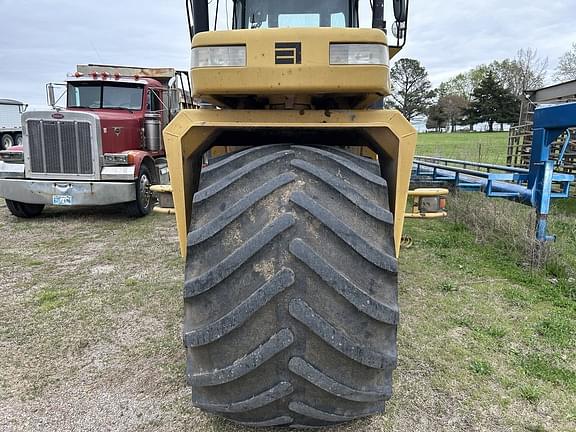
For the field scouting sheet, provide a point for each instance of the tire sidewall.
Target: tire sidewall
(24, 210)
(144, 205)
(7, 141)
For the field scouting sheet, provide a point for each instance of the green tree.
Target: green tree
(463, 84)
(412, 91)
(436, 118)
(509, 109)
(492, 103)
(566, 69)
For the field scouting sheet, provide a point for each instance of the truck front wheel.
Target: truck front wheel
(24, 210)
(143, 204)
(7, 142)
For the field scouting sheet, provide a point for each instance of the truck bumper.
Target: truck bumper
(66, 192)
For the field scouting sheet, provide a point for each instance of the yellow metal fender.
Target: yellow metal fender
(193, 132)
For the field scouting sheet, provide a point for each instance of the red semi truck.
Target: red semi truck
(104, 148)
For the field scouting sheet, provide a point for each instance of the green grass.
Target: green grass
(509, 325)
(557, 330)
(531, 393)
(513, 316)
(53, 298)
(551, 368)
(447, 287)
(481, 367)
(472, 146)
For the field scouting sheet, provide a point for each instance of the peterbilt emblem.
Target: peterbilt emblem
(288, 53)
(57, 116)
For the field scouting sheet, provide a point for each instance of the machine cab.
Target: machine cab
(298, 52)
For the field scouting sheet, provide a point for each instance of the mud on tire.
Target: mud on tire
(291, 288)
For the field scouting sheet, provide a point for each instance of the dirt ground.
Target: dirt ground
(90, 316)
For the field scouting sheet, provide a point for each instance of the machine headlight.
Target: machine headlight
(219, 56)
(358, 54)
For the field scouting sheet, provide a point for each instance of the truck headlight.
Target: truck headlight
(113, 159)
(12, 156)
(219, 56)
(358, 54)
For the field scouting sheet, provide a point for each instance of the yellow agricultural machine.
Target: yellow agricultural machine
(290, 187)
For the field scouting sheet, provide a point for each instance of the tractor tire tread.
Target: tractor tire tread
(290, 291)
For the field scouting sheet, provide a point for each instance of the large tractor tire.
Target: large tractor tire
(291, 288)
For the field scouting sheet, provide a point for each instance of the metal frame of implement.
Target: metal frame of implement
(533, 186)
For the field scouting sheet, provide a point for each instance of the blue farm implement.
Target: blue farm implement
(535, 186)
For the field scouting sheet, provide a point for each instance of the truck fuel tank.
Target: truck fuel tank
(152, 131)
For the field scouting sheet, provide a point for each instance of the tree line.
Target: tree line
(489, 93)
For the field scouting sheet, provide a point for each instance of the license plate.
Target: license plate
(62, 200)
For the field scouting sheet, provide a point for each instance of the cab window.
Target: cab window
(153, 103)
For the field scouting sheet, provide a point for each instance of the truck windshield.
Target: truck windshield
(293, 13)
(112, 96)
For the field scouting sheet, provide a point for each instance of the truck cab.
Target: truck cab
(105, 147)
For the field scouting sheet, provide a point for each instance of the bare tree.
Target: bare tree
(454, 108)
(526, 71)
(566, 69)
(532, 69)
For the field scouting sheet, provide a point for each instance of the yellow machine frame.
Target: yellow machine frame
(193, 132)
(314, 76)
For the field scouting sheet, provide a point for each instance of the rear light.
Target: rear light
(358, 54)
(113, 159)
(12, 156)
(443, 203)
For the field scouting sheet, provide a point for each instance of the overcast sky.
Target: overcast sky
(43, 40)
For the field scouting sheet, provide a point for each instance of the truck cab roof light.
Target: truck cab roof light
(78, 74)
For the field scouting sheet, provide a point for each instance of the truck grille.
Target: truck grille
(60, 147)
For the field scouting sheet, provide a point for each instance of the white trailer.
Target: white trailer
(10, 123)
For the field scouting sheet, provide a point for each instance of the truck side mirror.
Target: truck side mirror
(173, 101)
(51, 95)
(400, 10)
